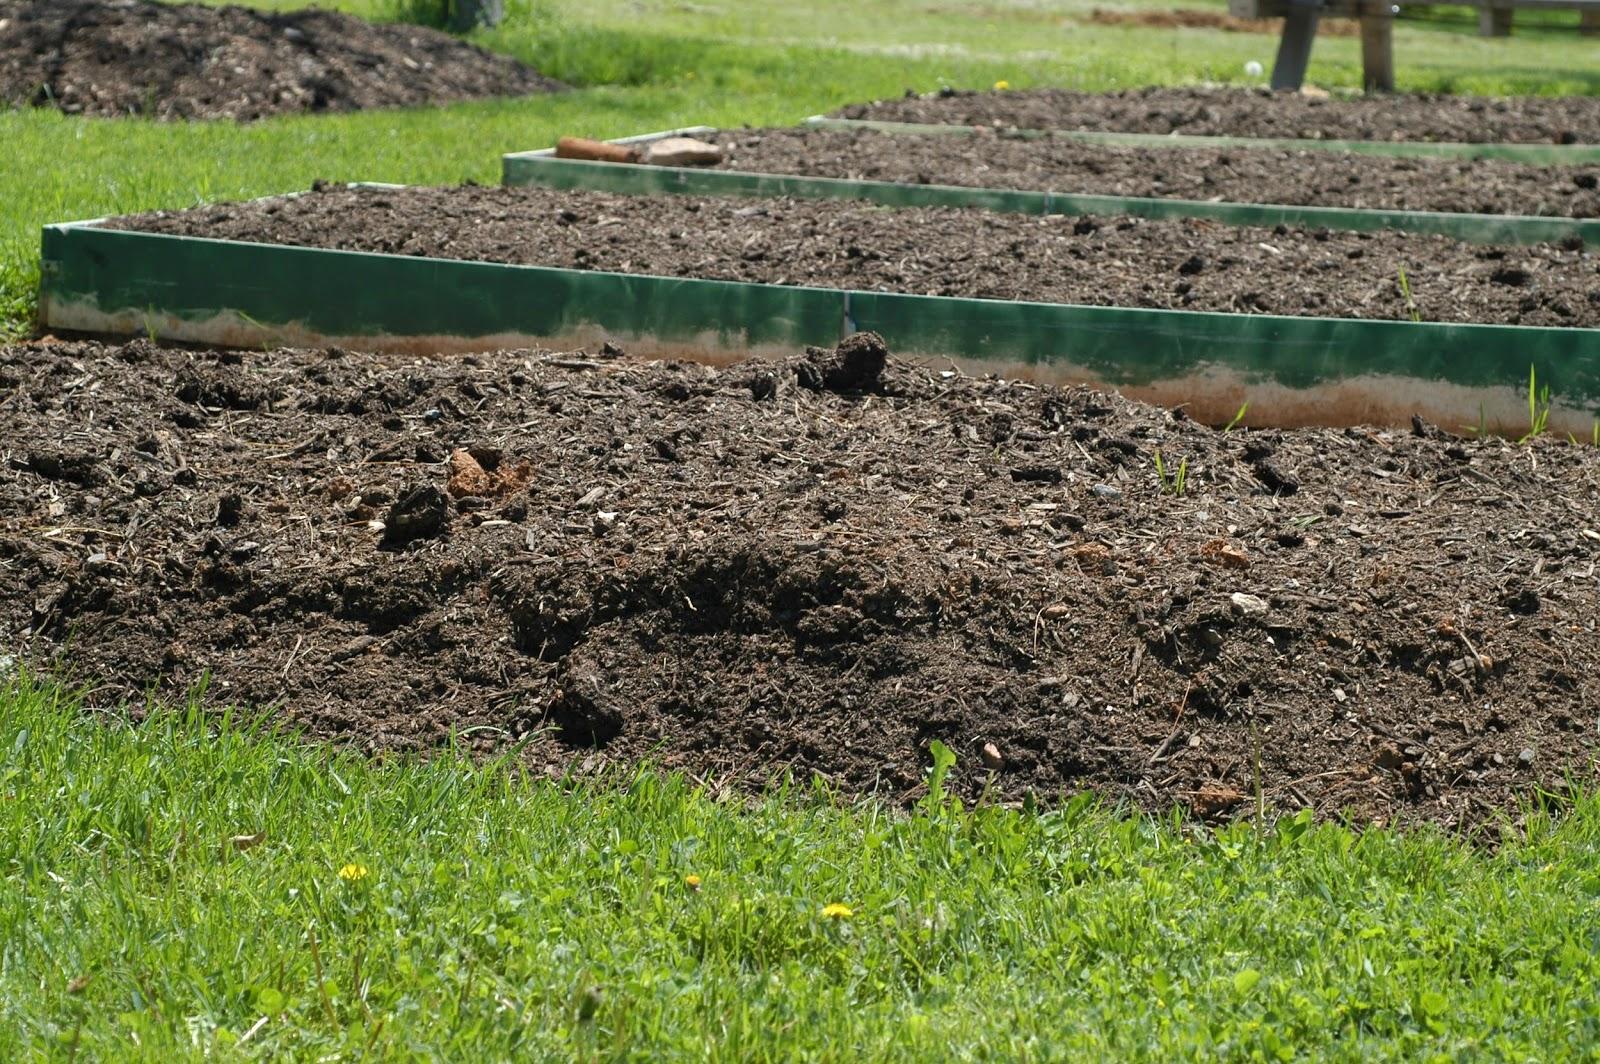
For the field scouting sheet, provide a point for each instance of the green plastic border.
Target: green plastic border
(1542, 154)
(545, 170)
(215, 291)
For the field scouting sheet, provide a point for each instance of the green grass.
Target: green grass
(503, 918)
(647, 64)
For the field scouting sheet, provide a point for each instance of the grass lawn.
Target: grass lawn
(175, 889)
(649, 64)
(197, 888)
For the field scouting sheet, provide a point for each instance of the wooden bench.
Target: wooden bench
(1300, 19)
(1494, 16)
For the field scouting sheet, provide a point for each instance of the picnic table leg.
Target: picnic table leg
(1377, 47)
(1294, 48)
(470, 14)
(1494, 21)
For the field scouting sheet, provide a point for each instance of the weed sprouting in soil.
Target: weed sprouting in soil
(1538, 407)
(1405, 292)
(1238, 418)
(1172, 481)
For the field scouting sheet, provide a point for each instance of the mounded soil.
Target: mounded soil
(820, 564)
(179, 61)
(1191, 19)
(1049, 164)
(1261, 113)
(1174, 264)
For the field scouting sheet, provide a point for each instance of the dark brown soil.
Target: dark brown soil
(1192, 19)
(1308, 178)
(738, 571)
(1182, 264)
(136, 57)
(1261, 113)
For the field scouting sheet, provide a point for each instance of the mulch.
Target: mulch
(191, 61)
(1174, 264)
(1049, 164)
(1241, 112)
(817, 565)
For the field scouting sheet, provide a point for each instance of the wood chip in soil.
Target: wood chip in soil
(182, 61)
(1179, 264)
(1235, 112)
(820, 564)
(1054, 164)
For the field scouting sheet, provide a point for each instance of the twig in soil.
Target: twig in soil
(1482, 662)
(289, 663)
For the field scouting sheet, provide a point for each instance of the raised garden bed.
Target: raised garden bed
(1008, 290)
(776, 565)
(1537, 129)
(1485, 201)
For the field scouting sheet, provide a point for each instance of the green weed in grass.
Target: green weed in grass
(199, 886)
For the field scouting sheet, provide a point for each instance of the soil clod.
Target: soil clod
(856, 365)
(420, 513)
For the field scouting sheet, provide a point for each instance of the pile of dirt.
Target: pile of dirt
(1261, 113)
(178, 61)
(820, 564)
(1055, 164)
(1179, 264)
(1193, 19)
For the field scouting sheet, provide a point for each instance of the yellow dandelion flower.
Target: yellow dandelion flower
(1002, 85)
(836, 911)
(692, 882)
(351, 873)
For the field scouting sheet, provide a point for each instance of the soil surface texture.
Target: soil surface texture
(1261, 113)
(1192, 19)
(820, 564)
(180, 61)
(1175, 264)
(1304, 178)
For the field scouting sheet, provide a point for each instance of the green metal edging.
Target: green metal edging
(1541, 154)
(216, 291)
(545, 170)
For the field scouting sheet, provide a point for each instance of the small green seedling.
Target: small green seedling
(1172, 482)
(1230, 426)
(1405, 290)
(1538, 407)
